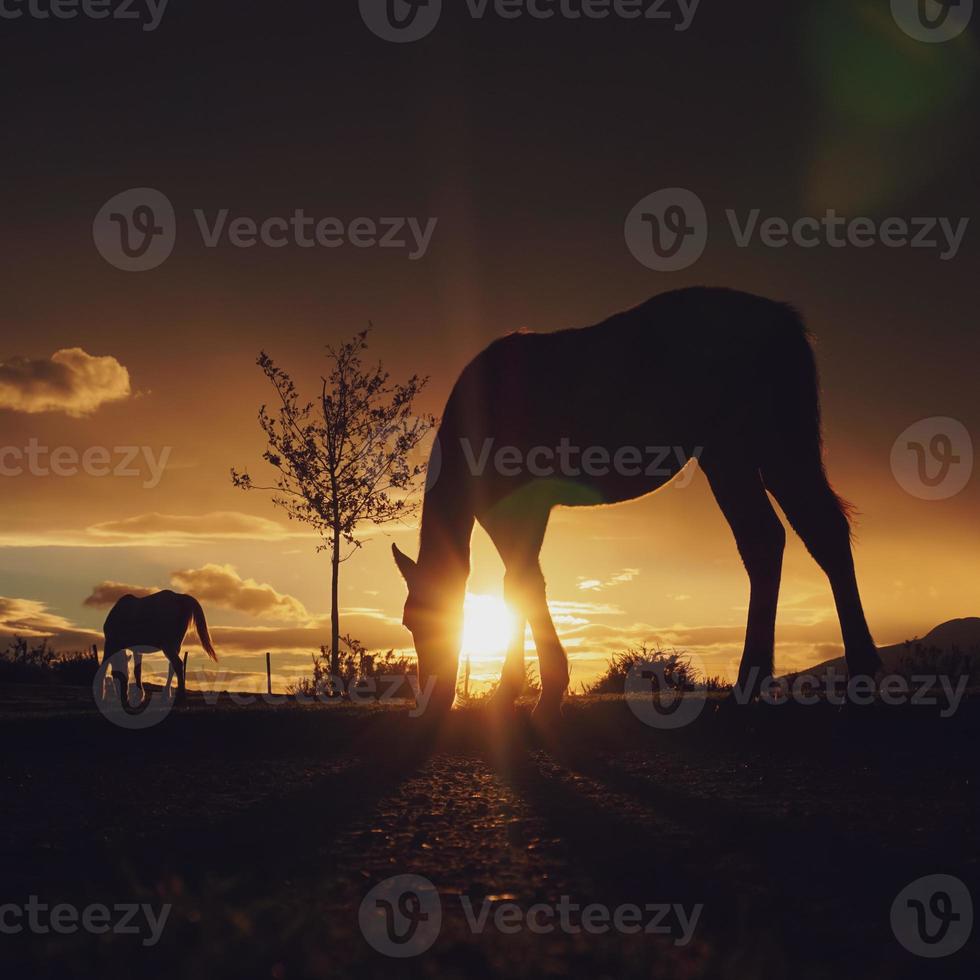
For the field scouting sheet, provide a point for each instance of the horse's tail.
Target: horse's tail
(201, 625)
(794, 407)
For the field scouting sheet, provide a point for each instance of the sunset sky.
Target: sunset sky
(529, 142)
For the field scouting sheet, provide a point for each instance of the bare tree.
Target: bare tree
(345, 459)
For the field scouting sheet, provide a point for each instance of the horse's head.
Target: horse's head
(434, 616)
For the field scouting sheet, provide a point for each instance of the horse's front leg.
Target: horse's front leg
(552, 661)
(513, 677)
(120, 676)
(519, 539)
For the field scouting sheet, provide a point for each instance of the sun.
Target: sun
(487, 626)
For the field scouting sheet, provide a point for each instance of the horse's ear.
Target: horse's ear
(405, 565)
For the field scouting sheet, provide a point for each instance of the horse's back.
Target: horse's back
(679, 372)
(154, 620)
(680, 354)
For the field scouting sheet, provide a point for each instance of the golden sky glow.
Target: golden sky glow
(96, 359)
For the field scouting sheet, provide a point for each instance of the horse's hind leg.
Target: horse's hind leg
(760, 538)
(173, 657)
(817, 514)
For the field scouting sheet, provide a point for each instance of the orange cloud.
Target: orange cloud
(30, 618)
(175, 528)
(70, 381)
(108, 593)
(214, 585)
(600, 585)
(223, 586)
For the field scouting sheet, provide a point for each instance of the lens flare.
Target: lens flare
(487, 627)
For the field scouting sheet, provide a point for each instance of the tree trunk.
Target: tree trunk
(334, 607)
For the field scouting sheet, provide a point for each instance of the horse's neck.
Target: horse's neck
(447, 526)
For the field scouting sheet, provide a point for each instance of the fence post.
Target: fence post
(268, 671)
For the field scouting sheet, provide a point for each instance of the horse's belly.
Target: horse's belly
(590, 491)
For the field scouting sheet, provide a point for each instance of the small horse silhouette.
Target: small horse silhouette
(145, 625)
(728, 376)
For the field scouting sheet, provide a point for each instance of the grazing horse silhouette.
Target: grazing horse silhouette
(154, 622)
(727, 376)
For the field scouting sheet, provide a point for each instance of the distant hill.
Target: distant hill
(963, 634)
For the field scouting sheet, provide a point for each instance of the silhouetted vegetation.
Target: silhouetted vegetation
(343, 459)
(919, 660)
(673, 668)
(23, 662)
(532, 686)
(357, 671)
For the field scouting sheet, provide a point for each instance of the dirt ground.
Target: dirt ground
(792, 827)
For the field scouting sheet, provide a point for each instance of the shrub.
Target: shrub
(356, 665)
(676, 669)
(25, 663)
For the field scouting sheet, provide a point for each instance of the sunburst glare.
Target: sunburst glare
(487, 627)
